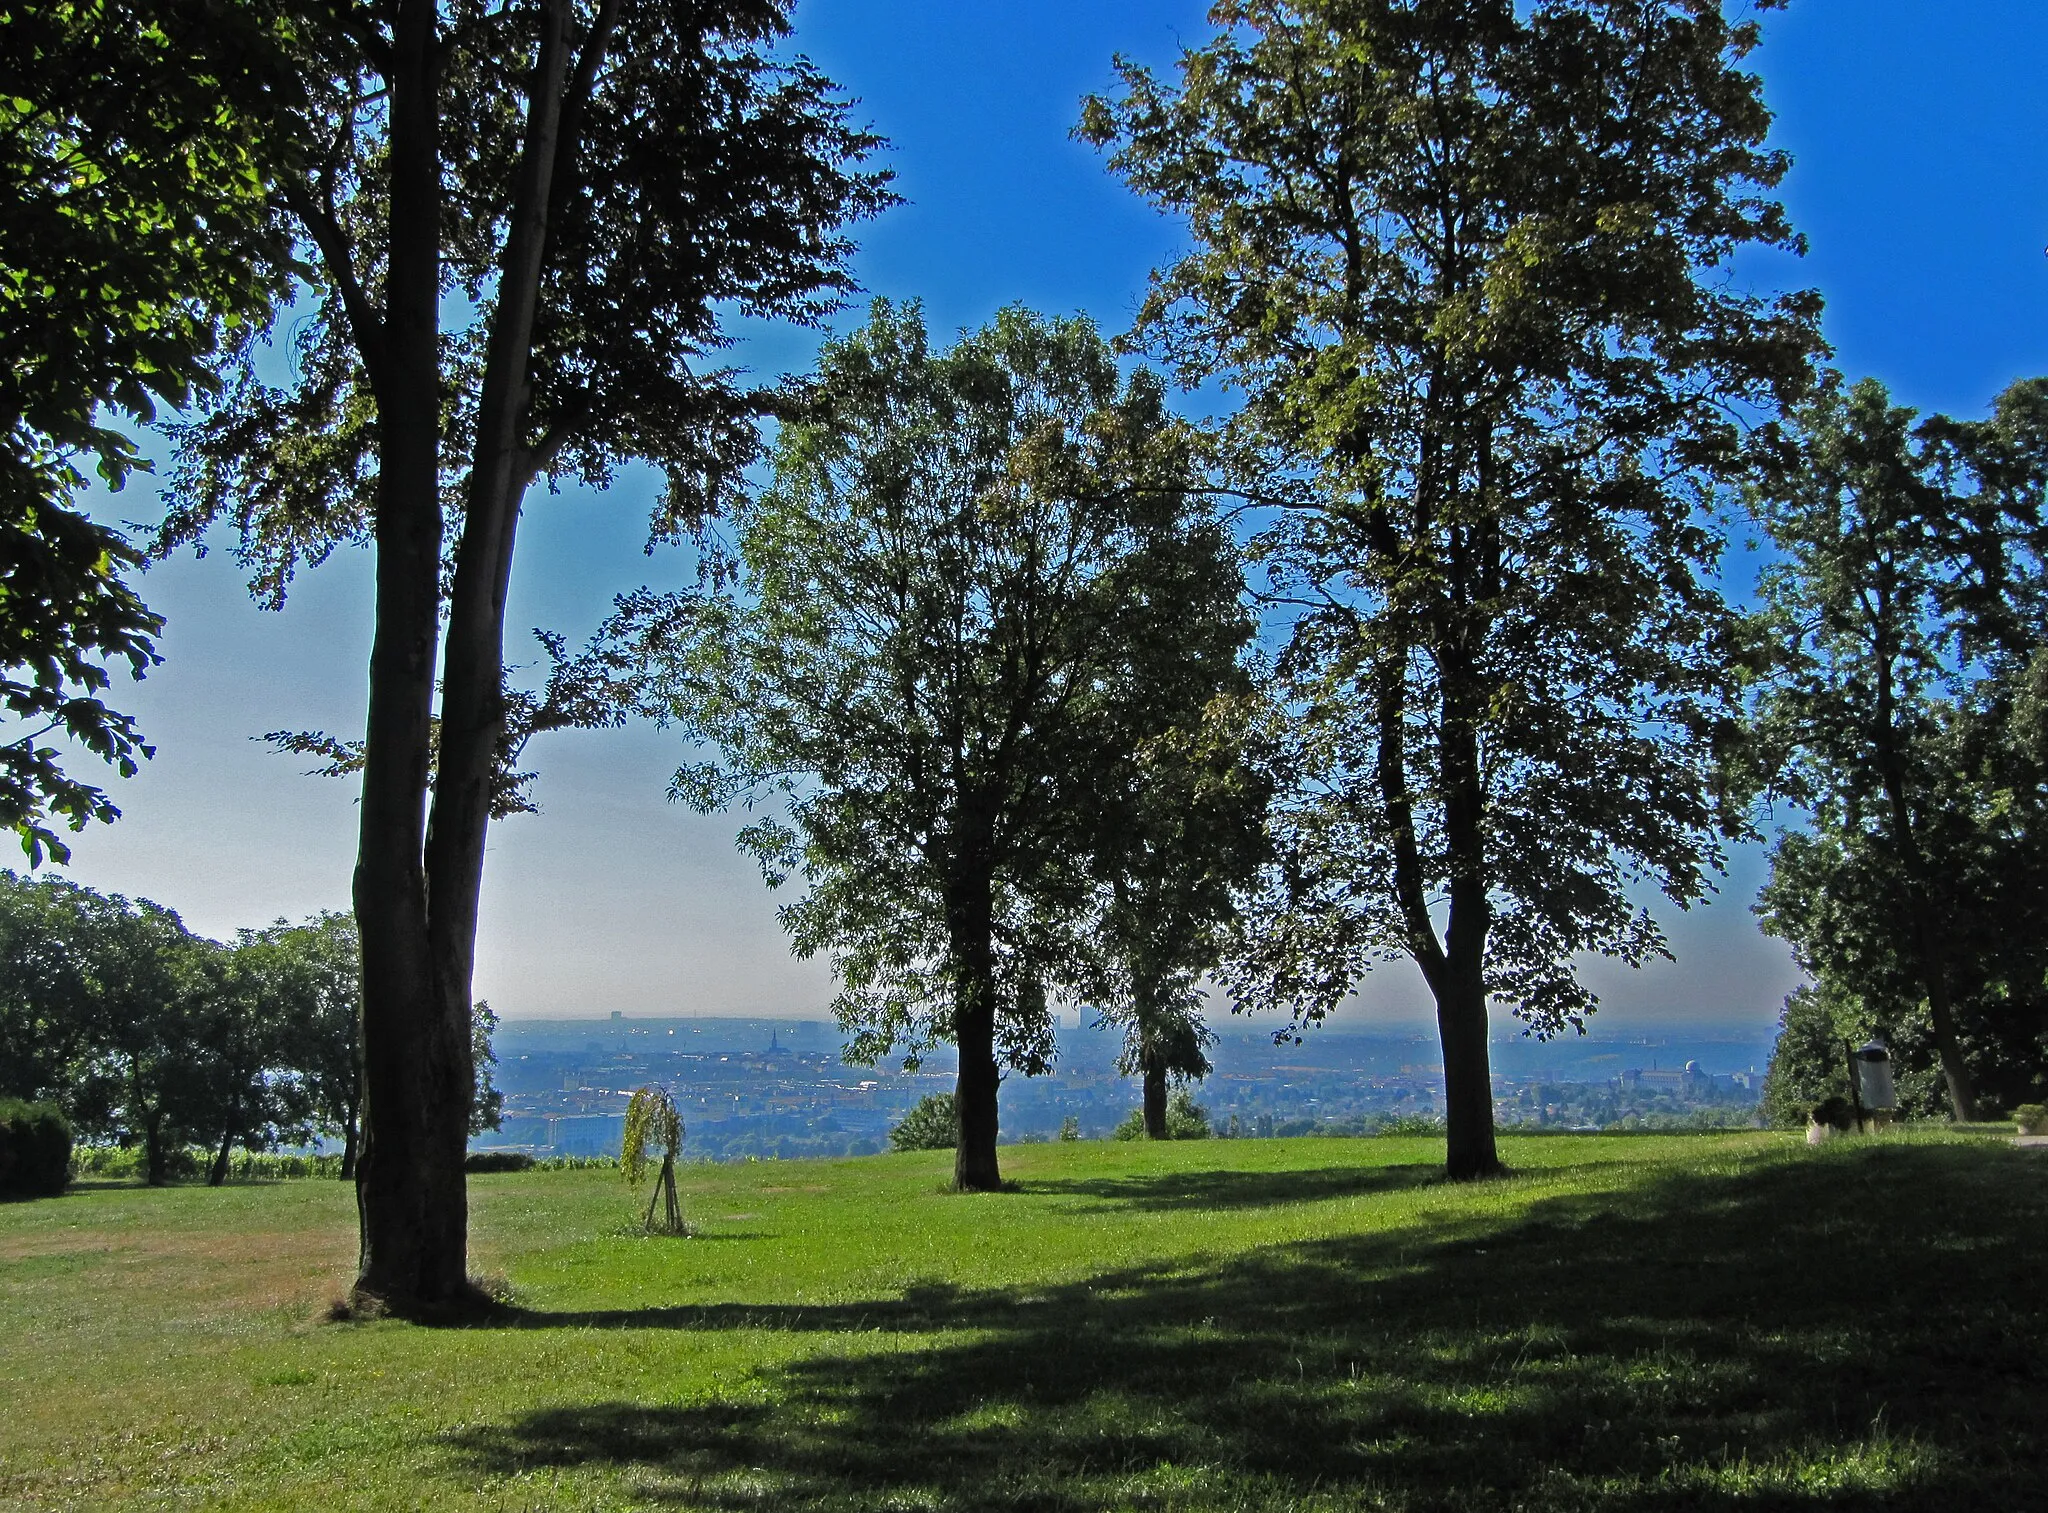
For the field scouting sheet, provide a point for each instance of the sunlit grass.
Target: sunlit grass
(1665, 1322)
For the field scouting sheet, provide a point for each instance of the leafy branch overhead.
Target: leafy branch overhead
(580, 693)
(700, 171)
(136, 153)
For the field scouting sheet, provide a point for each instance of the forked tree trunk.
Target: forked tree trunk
(1155, 1095)
(418, 879)
(411, 1198)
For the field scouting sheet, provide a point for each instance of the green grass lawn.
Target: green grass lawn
(1722, 1322)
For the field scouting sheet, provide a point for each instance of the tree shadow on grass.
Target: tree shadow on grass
(1859, 1329)
(1240, 1189)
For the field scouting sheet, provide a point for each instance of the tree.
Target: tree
(1180, 1118)
(46, 1018)
(933, 1124)
(243, 1090)
(593, 182)
(1189, 835)
(652, 1120)
(134, 143)
(953, 610)
(1901, 714)
(1463, 260)
(147, 986)
(325, 1048)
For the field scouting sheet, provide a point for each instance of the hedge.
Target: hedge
(498, 1161)
(35, 1149)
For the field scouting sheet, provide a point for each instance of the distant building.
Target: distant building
(1687, 1079)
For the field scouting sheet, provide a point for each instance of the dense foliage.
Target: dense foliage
(1182, 1119)
(1903, 716)
(35, 1149)
(1464, 261)
(149, 1036)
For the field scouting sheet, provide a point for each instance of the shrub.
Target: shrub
(2032, 1118)
(1411, 1124)
(1185, 1120)
(932, 1125)
(35, 1149)
(283, 1166)
(1070, 1128)
(1833, 1112)
(499, 1161)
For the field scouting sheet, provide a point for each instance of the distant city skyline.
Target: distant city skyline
(1921, 178)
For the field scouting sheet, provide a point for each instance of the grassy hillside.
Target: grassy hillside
(1681, 1322)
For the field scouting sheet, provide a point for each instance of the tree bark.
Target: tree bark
(218, 1175)
(348, 1150)
(970, 923)
(1155, 1096)
(1469, 1148)
(411, 1198)
(472, 683)
(1460, 983)
(156, 1160)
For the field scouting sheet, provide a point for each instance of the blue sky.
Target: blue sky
(1921, 179)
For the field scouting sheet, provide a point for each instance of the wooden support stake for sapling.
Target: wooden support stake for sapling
(652, 1119)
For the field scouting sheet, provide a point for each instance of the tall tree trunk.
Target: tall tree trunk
(218, 1175)
(1454, 967)
(1926, 917)
(348, 1149)
(1955, 1071)
(1460, 984)
(970, 924)
(472, 683)
(411, 1198)
(1469, 1148)
(156, 1159)
(1155, 1095)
